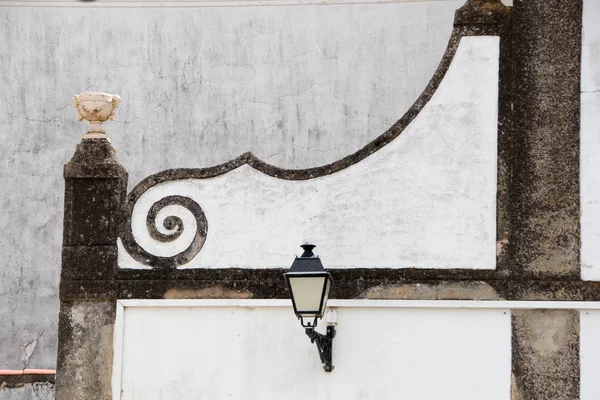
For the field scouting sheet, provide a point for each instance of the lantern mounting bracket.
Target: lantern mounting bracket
(324, 344)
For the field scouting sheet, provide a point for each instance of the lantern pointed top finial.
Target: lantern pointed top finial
(308, 250)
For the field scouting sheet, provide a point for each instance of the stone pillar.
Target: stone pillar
(95, 189)
(544, 210)
(545, 355)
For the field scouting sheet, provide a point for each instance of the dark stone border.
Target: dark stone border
(387, 274)
(270, 284)
(468, 24)
(16, 381)
(505, 151)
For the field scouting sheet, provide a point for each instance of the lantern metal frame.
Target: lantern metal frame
(310, 266)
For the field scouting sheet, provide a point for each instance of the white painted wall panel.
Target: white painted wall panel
(262, 353)
(590, 142)
(426, 200)
(590, 354)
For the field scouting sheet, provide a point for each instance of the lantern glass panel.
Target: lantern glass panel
(326, 294)
(307, 293)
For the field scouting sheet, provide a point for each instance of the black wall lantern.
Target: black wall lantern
(309, 285)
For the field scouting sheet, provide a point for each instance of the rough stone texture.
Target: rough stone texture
(546, 48)
(84, 366)
(15, 381)
(481, 12)
(213, 292)
(543, 211)
(77, 265)
(440, 291)
(545, 362)
(271, 284)
(95, 190)
(29, 391)
(503, 221)
(535, 290)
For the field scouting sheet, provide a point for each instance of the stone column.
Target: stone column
(546, 52)
(544, 209)
(545, 355)
(95, 189)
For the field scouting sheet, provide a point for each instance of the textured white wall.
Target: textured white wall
(425, 200)
(590, 142)
(589, 354)
(261, 352)
(299, 86)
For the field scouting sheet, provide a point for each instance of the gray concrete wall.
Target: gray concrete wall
(299, 86)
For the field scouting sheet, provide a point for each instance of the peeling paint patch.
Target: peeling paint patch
(27, 350)
(500, 245)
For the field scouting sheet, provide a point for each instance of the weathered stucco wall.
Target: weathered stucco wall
(299, 86)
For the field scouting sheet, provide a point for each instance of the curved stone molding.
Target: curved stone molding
(178, 245)
(379, 195)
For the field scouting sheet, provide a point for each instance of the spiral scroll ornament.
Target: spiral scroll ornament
(172, 228)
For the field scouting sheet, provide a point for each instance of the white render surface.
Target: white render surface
(261, 351)
(299, 86)
(589, 351)
(425, 200)
(590, 142)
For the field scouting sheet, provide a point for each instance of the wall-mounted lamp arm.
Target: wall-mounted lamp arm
(324, 345)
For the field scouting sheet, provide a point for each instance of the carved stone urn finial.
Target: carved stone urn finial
(481, 12)
(96, 108)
